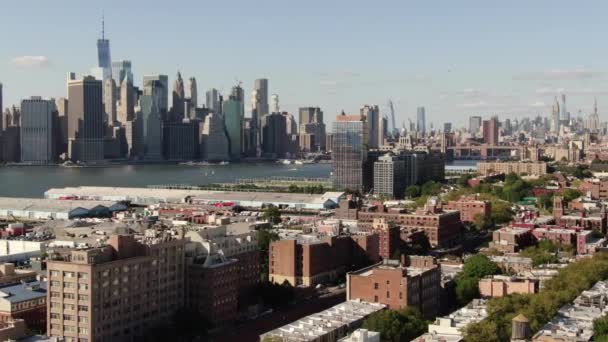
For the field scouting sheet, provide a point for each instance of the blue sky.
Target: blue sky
(456, 58)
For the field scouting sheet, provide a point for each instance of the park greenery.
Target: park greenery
(467, 282)
(396, 326)
(539, 308)
(546, 252)
(600, 329)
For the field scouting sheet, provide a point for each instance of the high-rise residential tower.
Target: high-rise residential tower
(421, 120)
(37, 130)
(85, 119)
(349, 152)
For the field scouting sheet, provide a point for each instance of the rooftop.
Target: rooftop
(316, 325)
(23, 291)
(48, 205)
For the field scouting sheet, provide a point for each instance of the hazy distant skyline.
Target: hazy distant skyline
(455, 58)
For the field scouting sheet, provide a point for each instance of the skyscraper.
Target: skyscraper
(104, 60)
(177, 110)
(213, 100)
(261, 85)
(447, 127)
(311, 129)
(421, 120)
(110, 96)
(193, 92)
(233, 118)
(490, 131)
(37, 130)
(474, 124)
(215, 141)
(126, 107)
(122, 70)
(1, 107)
(374, 124)
(152, 135)
(274, 135)
(555, 117)
(565, 116)
(62, 125)
(85, 120)
(349, 152)
(160, 90)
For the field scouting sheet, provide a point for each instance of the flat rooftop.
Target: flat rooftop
(146, 195)
(48, 205)
(312, 327)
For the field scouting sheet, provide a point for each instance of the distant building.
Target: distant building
(38, 130)
(85, 120)
(110, 96)
(451, 328)
(213, 100)
(351, 169)
(158, 86)
(520, 168)
(181, 140)
(121, 70)
(362, 335)
(311, 129)
(233, 118)
(193, 92)
(126, 106)
(374, 124)
(447, 127)
(152, 126)
(275, 143)
(214, 140)
(490, 131)
(179, 97)
(414, 283)
(421, 120)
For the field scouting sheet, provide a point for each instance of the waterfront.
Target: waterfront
(33, 181)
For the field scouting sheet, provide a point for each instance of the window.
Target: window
(55, 273)
(376, 299)
(68, 274)
(69, 318)
(83, 287)
(388, 294)
(83, 331)
(83, 275)
(69, 296)
(55, 315)
(83, 297)
(375, 286)
(83, 319)
(83, 308)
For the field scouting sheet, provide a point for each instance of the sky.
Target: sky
(455, 58)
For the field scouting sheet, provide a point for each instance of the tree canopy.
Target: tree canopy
(272, 214)
(396, 326)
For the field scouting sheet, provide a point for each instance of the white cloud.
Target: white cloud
(538, 104)
(559, 74)
(31, 61)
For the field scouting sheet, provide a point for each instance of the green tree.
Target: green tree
(396, 326)
(430, 188)
(412, 191)
(467, 288)
(479, 266)
(481, 221)
(545, 201)
(463, 180)
(571, 194)
(600, 329)
(293, 188)
(272, 214)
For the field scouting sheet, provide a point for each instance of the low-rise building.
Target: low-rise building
(10, 275)
(309, 259)
(416, 282)
(451, 328)
(13, 330)
(469, 207)
(362, 335)
(511, 239)
(574, 322)
(500, 286)
(25, 301)
(328, 325)
(513, 264)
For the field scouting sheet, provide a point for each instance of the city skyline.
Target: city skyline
(492, 67)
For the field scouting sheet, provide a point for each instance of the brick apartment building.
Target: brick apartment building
(389, 237)
(116, 292)
(520, 168)
(310, 260)
(512, 239)
(222, 271)
(469, 207)
(413, 282)
(500, 286)
(598, 188)
(597, 220)
(25, 301)
(441, 227)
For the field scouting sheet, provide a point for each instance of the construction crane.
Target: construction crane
(391, 107)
